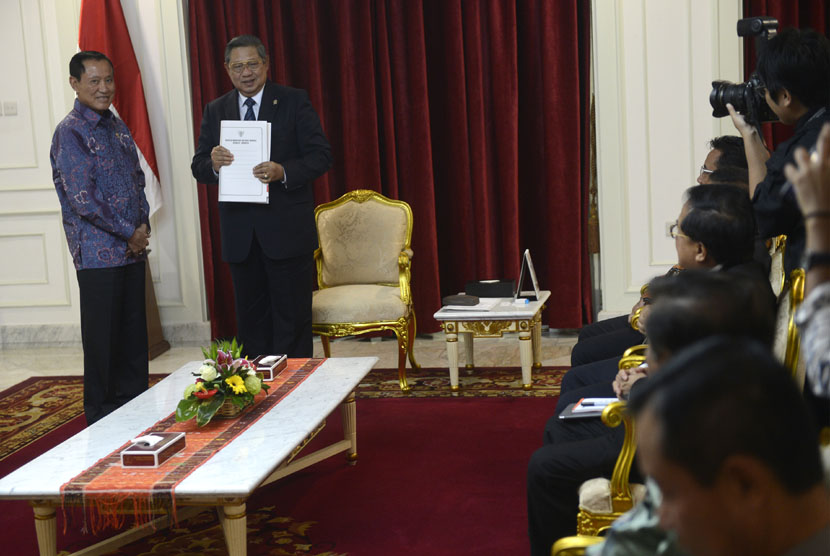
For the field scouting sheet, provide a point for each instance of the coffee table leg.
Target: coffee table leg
(537, 344)
(468, 349)
(349, 413)
(452, 357)
(233, 519)
(46, 530)
(526, 353)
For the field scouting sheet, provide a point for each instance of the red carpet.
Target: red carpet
(435, 476)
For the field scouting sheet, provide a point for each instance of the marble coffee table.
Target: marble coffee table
(265, 450)
(504, 316)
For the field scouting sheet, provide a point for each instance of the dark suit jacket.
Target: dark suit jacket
(285, 226)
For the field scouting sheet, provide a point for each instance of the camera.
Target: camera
(747, 98)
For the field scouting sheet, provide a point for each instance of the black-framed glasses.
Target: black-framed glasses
(675, 233)
(239, 67)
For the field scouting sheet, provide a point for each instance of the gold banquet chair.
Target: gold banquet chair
(363, 271)
(602, 501)
(787, 341)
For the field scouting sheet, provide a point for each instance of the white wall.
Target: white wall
(38, 288)
(653, 64)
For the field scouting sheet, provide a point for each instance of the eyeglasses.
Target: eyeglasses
(239, 67)
(674, 233)
(705, 170)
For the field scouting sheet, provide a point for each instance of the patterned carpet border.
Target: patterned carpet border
(485, 382)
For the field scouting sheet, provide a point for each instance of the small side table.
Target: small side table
(504, 317)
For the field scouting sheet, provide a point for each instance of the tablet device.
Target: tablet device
(527, 263)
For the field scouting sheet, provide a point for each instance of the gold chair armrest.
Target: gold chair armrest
(796, 293)
(318, 260)
(633, 357)
(573, 546)
(404, 275)
(612, 416)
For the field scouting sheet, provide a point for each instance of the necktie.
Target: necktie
(249, 115)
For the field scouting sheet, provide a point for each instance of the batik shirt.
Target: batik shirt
(813, 320)
(100, 187)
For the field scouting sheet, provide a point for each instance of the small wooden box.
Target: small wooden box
(136, 455)
(271, 370)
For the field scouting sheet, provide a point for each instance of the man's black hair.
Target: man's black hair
(730, 175)
(727, 396)
(799, 61)
(245, 40)
(76, 63)
(721, 217)
(732, 151)
(697, 304)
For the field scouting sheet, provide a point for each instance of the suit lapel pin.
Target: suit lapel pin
(275, 102)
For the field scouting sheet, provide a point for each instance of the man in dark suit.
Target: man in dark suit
(269, 247)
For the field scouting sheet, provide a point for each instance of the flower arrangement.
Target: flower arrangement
(224, 377)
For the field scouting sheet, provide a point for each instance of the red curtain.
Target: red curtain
(474, 112)
(803, 14)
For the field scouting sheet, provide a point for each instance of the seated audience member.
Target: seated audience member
(704, 303)
(727, 437)
(794, 67)
(715, 230)
(811, 181)
(725, 164)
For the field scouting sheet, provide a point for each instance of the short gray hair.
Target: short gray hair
(245, 40)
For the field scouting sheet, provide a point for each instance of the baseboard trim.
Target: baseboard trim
(69, 335)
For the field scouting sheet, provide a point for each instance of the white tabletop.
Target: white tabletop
(505, 309)
(257, 451)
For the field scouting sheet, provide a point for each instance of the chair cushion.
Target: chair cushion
(357, 303)
(361, 242)
(595, 495)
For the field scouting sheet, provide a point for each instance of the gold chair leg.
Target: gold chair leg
(326, 347)
(403, 341)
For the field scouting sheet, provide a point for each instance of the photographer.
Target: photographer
(794, 67)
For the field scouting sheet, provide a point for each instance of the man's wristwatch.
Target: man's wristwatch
(813, 259)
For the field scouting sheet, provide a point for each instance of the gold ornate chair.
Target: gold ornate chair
(363, 271)
(573, 546)
(602, 501)
(787, 342)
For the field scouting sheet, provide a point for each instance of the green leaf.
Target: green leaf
(186, 409)
(208, 408)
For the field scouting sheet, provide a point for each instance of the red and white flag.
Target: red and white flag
(103, 28)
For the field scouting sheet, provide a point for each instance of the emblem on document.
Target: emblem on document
(241, 132)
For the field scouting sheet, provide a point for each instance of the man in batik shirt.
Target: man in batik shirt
(100, 187)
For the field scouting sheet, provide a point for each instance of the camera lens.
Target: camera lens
(723, 93)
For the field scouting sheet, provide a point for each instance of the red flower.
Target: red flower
(206, 394)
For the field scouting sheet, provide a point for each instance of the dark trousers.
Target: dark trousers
(604, 339)
(273, 303)
(573, 452)
(114, 336)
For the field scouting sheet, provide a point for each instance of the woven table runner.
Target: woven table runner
(107, 491)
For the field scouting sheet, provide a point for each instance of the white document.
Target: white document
(250, 143)
(593, 404)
